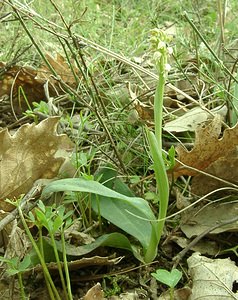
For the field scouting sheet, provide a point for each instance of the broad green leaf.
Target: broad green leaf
(122, 188)
(94, 187)
(132, 214)
(57, 223)
(114, 210)
(108, 177)
(129, 218)
(115, 239)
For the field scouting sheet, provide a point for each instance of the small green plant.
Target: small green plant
(41, 107)
(17, 267)
(54, 219)
(116, 289)
(49, 282)
(169, 278)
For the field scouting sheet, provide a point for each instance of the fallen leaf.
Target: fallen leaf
(204, 246)
(75, 265)
(25, 85)
(188, 86)
(197, 220)
(62, 69)
(94, 293)
(145, 112)
(17, 242)
(128, 296)
(192, 119)
(208, 148)
(224, 168)
(20, 83)
(28, 155)
(13, 239)
(179, 294)
(212, 278)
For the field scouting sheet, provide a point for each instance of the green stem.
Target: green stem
(152, 251)
(171, 292)
(43, 256)
(161, 180)
(155, 143)
(66, 269)
(158, 103)
(58, 265)
(43, 264)
(23, 295)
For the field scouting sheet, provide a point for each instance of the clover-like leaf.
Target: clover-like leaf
(169, 278)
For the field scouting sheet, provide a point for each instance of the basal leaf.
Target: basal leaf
(132, 214)
(129, 218)
(115, 239)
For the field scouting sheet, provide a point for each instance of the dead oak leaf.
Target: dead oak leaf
(62, 69)
(225, 173)
(20, 83)
(24, 82)
(208, 148)
(28, 155)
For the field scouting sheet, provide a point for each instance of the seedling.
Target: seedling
(169, 278)
(17, 267)
(54, 220)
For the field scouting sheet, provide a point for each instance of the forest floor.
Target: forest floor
(80, 199)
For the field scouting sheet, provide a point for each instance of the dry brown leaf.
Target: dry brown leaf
(75, 265)
(179, 294)
(204, 246)
(187, 85)
(145, 112)
(224, 168)
(13, 239)
(212, 278)
(196, 220)
(28, 155)
(94, 293)
(26, 83)
(191, 119)
(61, 67)
(17, 78)
(208, 148)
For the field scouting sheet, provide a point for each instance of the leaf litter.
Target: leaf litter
(214, 153)
(33, 148)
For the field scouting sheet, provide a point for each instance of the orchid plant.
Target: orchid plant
(132, 214)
